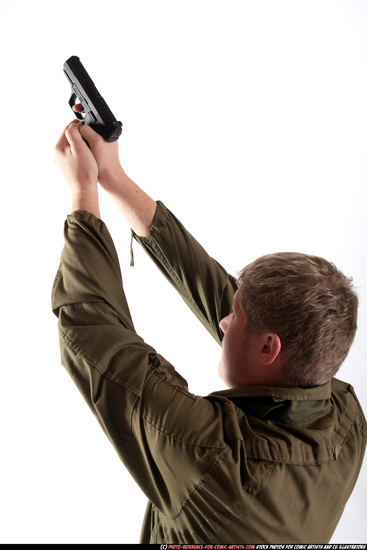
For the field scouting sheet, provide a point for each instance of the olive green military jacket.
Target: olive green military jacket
(246, 465)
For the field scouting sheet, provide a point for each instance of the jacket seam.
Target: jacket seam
(85, 355)
(181, 440)
(192, 491)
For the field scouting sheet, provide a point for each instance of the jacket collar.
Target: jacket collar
(286, 405)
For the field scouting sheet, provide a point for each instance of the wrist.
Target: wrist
(86, 198)
(111, 180)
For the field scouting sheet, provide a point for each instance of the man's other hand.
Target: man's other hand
(106, 155)
(79, 167)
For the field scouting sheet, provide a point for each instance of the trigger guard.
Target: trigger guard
(72, 102)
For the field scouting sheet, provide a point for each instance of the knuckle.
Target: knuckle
(98, 140)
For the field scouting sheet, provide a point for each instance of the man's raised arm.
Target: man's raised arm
(203, 284)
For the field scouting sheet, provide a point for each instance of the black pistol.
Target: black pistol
(96, 112)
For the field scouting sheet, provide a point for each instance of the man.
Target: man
(274, 458)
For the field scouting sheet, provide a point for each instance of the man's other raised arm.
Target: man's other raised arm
(136, 206)
(203, 284)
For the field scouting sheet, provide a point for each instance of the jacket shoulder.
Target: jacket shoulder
(344, 399)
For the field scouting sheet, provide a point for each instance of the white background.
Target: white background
(246, 118)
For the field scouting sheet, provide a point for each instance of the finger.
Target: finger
(63, 142)
(78, 108)
(74, 121)
(90, 135)
(73, 136)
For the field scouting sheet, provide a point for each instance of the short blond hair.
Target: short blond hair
(312, 307)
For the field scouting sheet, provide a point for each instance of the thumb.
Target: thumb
(90, 135)
(73, 135)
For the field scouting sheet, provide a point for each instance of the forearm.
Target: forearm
(137, 207)
(86, 199)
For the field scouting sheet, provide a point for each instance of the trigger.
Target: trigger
(72, 102)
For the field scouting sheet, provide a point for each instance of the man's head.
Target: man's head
(302, 311)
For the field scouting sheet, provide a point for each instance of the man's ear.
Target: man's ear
(270, 350)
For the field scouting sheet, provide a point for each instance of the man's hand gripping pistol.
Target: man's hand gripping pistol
(96, 112)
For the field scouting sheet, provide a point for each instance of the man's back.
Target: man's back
(257, 464)
(286, 469)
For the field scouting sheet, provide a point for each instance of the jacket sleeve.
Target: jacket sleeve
(202, 282)
(156, 425)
